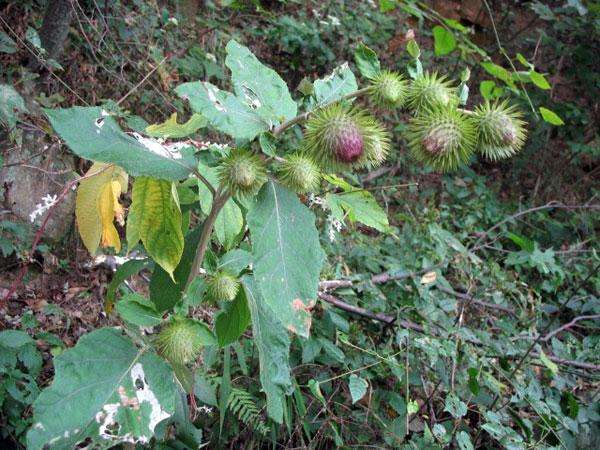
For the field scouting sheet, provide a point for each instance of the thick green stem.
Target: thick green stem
(302, 117)
(219, 200)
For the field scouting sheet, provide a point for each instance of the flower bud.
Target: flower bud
(389, 89)
(500, 130)
(429, 91)
(242, 173)
(222, 286)
(300, 173)
(338, 137)
(442, 138)
(179, 341)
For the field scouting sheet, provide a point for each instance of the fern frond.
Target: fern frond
(242, 404)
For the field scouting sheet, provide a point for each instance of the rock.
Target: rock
(36, 169)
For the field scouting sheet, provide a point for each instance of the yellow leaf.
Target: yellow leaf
(106, 207)
(428, 278)
(87, 212)
(171, 129)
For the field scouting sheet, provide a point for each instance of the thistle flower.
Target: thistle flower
(242, 173)
(500, 129)
(389, 89)
(429, 91)
(222, 286)
(442, 138)
(300, 173)
(339, 137)
(180, 341)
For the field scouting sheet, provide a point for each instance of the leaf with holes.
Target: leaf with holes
(106, 391)
(335, 85)
(287, 255)
(92, 134)
(223, 110)
(259, 86)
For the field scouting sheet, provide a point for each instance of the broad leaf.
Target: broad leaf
(155, 218)
(367, 61)
(138, 310)
(358, 206)
(92, 134)
(232, 320)
(358, 387)
(223, 110)
(235, 261)
(287, 255)
(164, 292)
(15, 338)
(444, 41)
(455, 406)
(335, 85)
(90, 202)
(171, 129)
(273, 345)
(229, 224)
(105, 389)
(539, 80)
(11, 103)
(258, 86)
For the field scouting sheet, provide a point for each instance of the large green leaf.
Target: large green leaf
(92, 134)
(155, 218)
(164, 292)
(335, 85)
(273, 345)
(223, 110)
(105, 389)
(232, 320)
(259, 86)
(287, 255)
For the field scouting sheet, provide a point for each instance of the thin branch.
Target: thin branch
(566, 326)
(219, 201)
(476, 301)
(389, 320)
(302, 117)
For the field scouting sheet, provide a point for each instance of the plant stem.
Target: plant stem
(219, 200)
(302, 117)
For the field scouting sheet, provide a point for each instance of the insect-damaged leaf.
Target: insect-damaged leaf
(92, 134)
(259, 86)
(155, 218)
(105, 389)
(287, 255)
(97, 205)
(171, 129)
(223, 110)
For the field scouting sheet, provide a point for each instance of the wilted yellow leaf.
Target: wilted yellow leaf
(87, 210)
(428, 278)
(106, 207)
